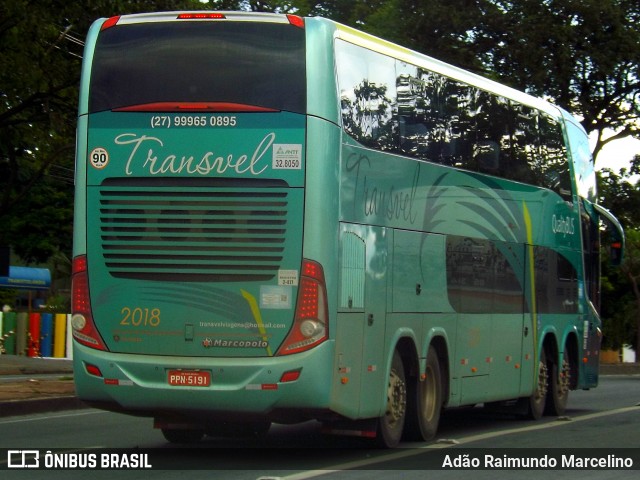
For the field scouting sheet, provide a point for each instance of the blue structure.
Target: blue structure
(27, 278)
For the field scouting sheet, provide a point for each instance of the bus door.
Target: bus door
(485, 284)
(360, 330)
(512, 329)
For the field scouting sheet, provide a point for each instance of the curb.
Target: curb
(40, 405)
(21, 365)
(619, 369)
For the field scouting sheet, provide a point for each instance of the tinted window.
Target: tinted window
(556, 282)
(243, 62)
(395, 106)
(582, 162)
(368, 96)
(433, 117)
(555, 166)
(492, 147)
(481, 277)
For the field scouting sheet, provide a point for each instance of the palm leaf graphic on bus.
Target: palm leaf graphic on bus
(477, 208)
(220, 310)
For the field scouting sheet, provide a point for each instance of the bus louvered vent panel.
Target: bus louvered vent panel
(188, 232)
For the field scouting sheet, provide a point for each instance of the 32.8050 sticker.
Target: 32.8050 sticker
(99, 158)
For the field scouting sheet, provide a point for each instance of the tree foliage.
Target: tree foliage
(620, 192)
(42, 44)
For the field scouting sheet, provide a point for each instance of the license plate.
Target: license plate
(189, 378)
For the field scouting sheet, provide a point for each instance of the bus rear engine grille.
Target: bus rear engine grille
(193, 234)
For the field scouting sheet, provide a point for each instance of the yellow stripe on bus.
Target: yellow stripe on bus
(532, 280)
(374, 43)
(257, 316)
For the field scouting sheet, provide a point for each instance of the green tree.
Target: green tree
(631, 269)
(345, 11)
(621, 286)
(36, 133)
(42, 44)
(621, 298)
(584, 54)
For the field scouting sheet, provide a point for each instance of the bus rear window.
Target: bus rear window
(248, 63)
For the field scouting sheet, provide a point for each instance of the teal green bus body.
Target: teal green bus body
(416, 255)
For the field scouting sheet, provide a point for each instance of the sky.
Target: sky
(618, 154)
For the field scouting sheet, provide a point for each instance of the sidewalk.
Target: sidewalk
(23, 365)
(28, 392)
(23, 390)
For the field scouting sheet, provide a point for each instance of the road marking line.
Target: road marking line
(419, 448)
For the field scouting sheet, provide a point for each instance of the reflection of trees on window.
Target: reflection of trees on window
(367, 116)
(526, 161)
(491, 150)
(433, 118)
(367, 83)
(554, 165)
(459, 126)
(395, 106)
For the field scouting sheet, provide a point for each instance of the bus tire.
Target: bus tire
(182, 436)
(391, 424)
(425, 402)
(430, 397)
(559, 385)
(536, 402)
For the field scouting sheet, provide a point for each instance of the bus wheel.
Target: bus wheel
(424, 402)
(391, 424)
(175, 435)
(559, 385)
(430, 397)
(537, 400)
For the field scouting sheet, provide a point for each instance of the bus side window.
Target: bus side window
(492, 129)
(525, 145)
(367, 94)
(487, 156)
(591, 251)
(555, 168)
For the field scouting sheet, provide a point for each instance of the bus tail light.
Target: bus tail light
(291, 376)
(93, 370)
(201, 16)
(82, 326)
(209, 107)
(110, 22)
(311, 322)
(296, 21)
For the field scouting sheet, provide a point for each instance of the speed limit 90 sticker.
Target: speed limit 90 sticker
(99, 158)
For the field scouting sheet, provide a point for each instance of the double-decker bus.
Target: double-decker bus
(281, 219)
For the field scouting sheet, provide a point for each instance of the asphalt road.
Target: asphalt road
(598, 420)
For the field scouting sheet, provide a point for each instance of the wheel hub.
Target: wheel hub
(396, 398)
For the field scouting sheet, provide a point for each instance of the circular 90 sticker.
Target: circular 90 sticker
(99, 158)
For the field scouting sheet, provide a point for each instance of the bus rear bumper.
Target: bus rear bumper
(247, 387)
